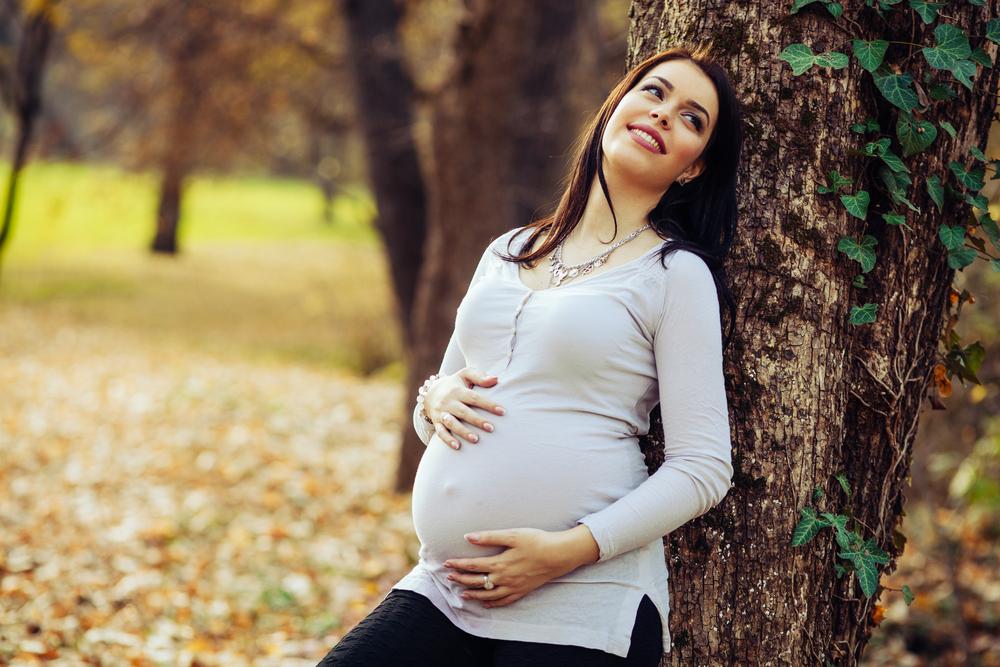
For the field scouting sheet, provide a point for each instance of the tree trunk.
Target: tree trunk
(812, 396)
(384, 94)
(25, 93)
(502, 128)
(168, 211)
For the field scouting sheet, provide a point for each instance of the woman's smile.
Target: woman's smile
(646, 139)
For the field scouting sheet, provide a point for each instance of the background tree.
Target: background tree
(824, 406)
(25, 35)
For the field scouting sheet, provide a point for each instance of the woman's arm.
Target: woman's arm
(453, 360)
(697, 470)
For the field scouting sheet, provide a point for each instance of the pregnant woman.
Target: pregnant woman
(541, 533)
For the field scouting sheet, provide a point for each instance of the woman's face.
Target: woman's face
(676, 103)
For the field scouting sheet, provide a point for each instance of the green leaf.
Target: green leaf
(844, 484)
(989, 226)
(799, 56)
(896, 88)
(869, 53)
(974, 354)
(835, 8)
(894, 162)
(993, 30)
(978, 154)
(995, 265)
(948, 127)
(896, 219)
(838, 182)
(839, 524)
(959, 259)
(927, 10)
(914, 135)
(862, 253)
(862, 314)
(970, 178)
(953, 237)
(799, 4)
(979, 201)
(951, 46)
(908, 596)
(818, 493)
(856, 204)
(834, 59)
(865, 560)
(936, 191)
(859, 281)
(964, 70)
(840, 570)
(940, 91)
(808, 526)
(981, 57)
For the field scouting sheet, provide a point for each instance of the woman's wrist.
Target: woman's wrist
(422, 395)
(581, 547)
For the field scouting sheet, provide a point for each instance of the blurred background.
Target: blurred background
(202, 359)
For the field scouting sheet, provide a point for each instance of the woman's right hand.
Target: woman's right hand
(448, 402)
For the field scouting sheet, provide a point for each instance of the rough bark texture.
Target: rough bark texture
(502, 129)
(384, 93)
(810, 395)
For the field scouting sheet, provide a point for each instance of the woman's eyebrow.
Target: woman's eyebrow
(697, 106)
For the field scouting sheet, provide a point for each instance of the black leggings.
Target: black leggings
(407, 630)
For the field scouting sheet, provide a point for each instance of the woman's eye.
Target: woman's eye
(659, 95)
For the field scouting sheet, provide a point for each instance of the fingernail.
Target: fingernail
(451, 578)
(474, 437)
(500, 410)
(472, 537)
(488, 426)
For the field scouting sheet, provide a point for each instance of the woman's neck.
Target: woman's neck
(632, 207)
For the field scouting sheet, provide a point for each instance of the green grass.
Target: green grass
(259, 273)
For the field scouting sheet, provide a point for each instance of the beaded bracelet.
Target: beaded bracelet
(421, 393)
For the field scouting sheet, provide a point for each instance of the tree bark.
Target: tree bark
(384, 92)
(811, 395)
(502, 128)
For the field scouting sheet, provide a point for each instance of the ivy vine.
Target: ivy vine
(952, 59)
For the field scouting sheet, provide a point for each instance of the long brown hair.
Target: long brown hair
(699, 217)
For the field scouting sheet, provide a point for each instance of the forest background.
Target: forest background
(199, 426)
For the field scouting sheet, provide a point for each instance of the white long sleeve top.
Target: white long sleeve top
(579, 368)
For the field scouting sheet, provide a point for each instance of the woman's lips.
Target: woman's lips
(642, 142)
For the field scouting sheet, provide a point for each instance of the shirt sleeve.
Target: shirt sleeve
(453, 359)
(697, 469)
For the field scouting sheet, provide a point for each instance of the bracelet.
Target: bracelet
(421, 393)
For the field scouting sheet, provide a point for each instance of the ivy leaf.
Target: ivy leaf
(856, 204)
(940, 91)
(818, 493)
(835, 8)
(979, 201)
(808, 526)
(927, 10)
(959, 259)
(859, 281)
(936, 191)
(914, 135)
(877, 147)
(970, 178)
(978, 154)
(993, 30)
(799, 4)
(896, 219)
(864, 561)
(989, 226)
(948, 127)
(953, 237)
(834, 59)
(981, 57)
(840, 570)
(862, 314)
(799, 56)
(894, 162)
(973, 355)
(951, 46)
(863, 253)
(964, 70)
(896, 88)
(869, 53)
(844, 484)
(839, 524)
(838, 182)
(908, 596)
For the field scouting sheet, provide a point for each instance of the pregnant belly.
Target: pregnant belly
(511, 479)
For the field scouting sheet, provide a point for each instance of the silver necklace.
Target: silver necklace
(561, 272)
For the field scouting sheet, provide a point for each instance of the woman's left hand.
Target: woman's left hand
(532, 558)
